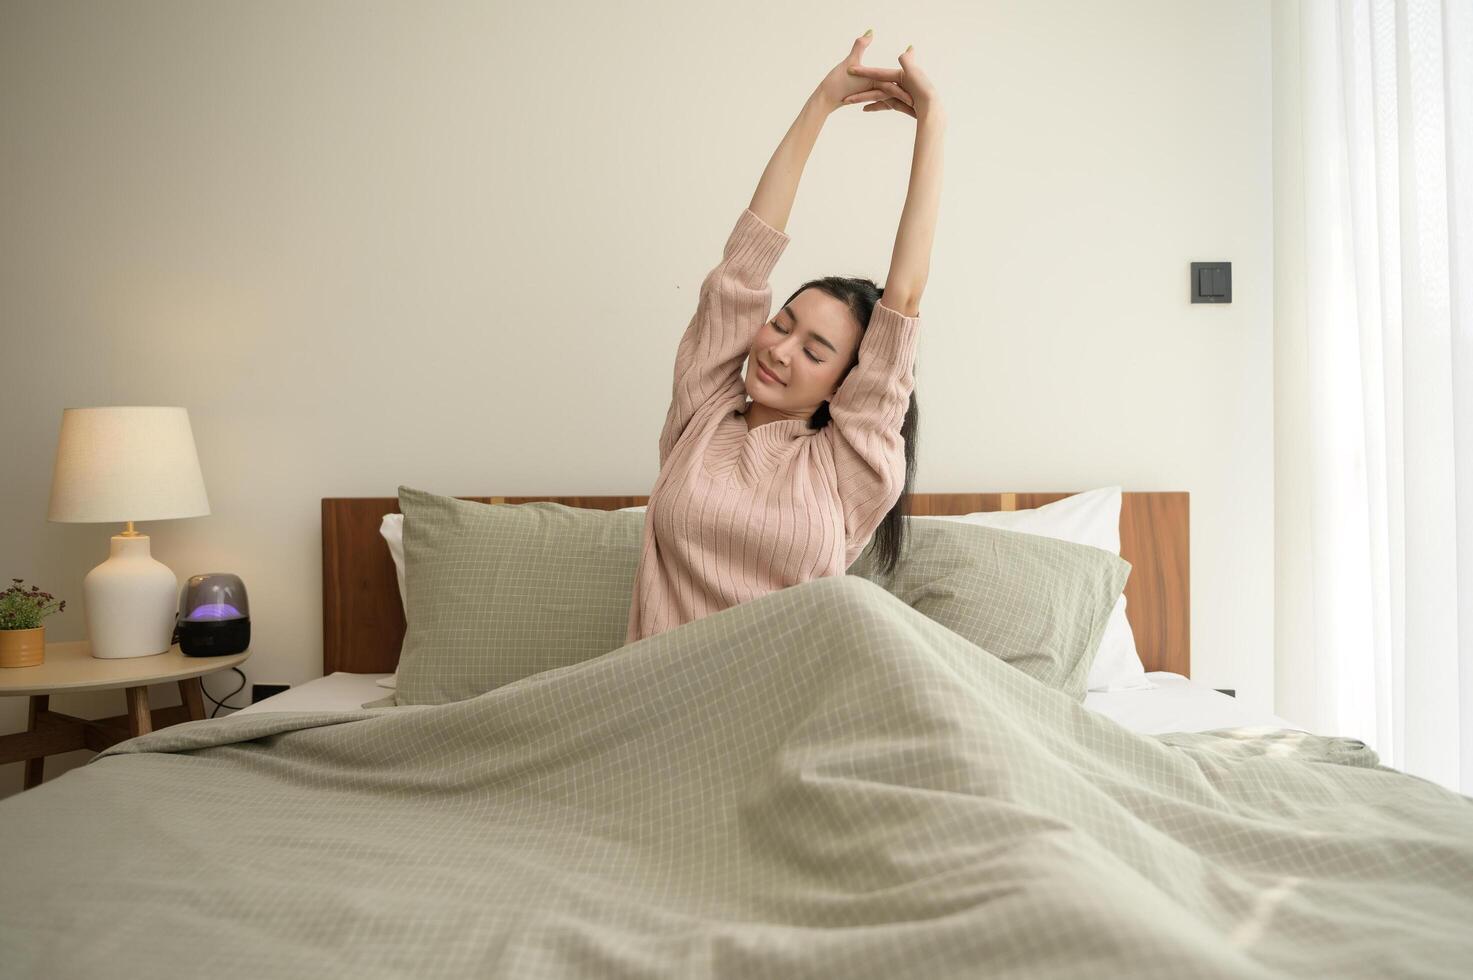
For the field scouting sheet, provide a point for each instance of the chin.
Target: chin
(755, 385)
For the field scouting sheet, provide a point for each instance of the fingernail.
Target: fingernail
(907, 48)
(868, 32)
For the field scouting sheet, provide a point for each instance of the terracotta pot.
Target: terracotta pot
(22, 648)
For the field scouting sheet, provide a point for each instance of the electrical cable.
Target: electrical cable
(220, 704)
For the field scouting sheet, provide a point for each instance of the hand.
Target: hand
(906, 89)
(838, 84)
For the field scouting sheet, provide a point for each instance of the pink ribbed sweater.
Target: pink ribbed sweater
(736, 514)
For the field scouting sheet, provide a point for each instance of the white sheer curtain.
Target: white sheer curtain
(1385, 103)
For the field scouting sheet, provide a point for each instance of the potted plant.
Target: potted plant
(22, 634)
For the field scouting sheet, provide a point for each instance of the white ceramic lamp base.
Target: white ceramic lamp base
(130, 602)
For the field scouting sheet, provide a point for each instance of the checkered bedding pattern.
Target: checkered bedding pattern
(821, 782)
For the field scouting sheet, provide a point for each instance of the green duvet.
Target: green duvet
(818, 783)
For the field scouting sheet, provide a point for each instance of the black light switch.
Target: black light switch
(1212, 282)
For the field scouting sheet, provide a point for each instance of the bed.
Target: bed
(1174, 704)
(821, 782)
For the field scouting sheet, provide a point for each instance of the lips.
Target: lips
(767, 375)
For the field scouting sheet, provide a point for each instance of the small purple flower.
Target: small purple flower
(22, 608)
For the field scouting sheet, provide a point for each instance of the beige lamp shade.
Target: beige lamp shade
(126, 463)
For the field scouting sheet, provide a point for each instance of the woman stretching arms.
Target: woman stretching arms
(758, 495)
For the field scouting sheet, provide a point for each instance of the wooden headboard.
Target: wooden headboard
(363, 620)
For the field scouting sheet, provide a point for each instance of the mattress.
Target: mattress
(1175, 704)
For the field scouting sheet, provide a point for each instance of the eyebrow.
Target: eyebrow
(816, 336)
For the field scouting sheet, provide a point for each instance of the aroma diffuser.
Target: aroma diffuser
(214, 616)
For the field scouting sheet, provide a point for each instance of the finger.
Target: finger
(895, 104)
(893, 90)
(884, 90)
(871, 71)
(908, 61)
(861, 42)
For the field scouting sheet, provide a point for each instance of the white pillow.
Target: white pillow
(1091, 518)
(392, 530)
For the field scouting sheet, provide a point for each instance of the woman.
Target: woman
(755, 496)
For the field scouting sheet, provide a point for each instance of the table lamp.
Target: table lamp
(126, 464)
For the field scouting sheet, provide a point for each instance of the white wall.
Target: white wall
(453, 246)
(1293, 569)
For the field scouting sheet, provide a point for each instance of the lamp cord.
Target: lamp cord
(221, 704)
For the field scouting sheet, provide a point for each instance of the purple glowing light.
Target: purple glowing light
(214, 610)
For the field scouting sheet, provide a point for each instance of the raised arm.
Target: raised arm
(733, 304)
(910, 262)
(907, 89)
(735, 297)
(869, 408)
(773, 199)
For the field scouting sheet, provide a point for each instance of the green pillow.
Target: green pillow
(1038, 603)
(499, 592)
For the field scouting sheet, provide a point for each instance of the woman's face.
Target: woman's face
(808, 346)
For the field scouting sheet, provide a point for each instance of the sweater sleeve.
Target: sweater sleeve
(734, 301)
(866, 415)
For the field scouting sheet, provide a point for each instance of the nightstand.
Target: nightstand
(71, 667)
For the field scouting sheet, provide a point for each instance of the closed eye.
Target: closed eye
(805, 350)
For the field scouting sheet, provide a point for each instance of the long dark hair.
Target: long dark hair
(861, 295)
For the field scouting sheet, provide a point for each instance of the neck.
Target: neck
(760, 414)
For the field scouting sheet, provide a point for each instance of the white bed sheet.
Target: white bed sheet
(1175, 704)
(340, 691)
(1178, 704)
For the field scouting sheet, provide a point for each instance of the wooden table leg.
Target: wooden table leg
(191, 695)
(140, 720)
(35, 768)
